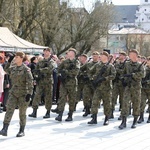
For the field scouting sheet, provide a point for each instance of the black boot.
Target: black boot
(55, 110)
(123, 123)
(87, 111)
(106, 121)
(94, 119)
(34, 113)
(112, 114)
(134, 122)
(59, 117)
(1, 110)
(3, 132)
(47, 115)
(141, 119)
(120, 118)
(148, 121)
(69, 118)
(21, 132)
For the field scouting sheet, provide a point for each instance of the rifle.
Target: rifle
(99, 78)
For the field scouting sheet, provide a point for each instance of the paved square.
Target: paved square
(44, 134)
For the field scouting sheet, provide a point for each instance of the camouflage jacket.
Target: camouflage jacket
(69, 70)
(146, 79)
(137, 72)
(44, 70)
(21, 79)
(109, 74)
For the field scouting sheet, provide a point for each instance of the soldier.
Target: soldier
(117, 83)
(88, 89)
(20, 92)
(81, 76)
(103, 74)
(145, 93)
(132, 75)
(69, 70)
(43, 75)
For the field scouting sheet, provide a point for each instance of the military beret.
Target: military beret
(84, 55)
(95, 53)
(21, 54)
(148, 58)
(73, 50)
(105, 53)
(47, 49)
(134, 51)
(123, 53)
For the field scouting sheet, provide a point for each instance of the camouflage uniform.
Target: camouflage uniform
(103, 89)
(69, 70)
(145, 95)
(88, 89)
(22, 84)
(43, 74)
(133, 74)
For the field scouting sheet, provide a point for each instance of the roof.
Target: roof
(125, 13)
(12, 41)
(127, 31)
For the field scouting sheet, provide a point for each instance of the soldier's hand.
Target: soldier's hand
(28, 97)
(11, 58)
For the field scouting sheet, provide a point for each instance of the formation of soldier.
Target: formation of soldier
(98, 80)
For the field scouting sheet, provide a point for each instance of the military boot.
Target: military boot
(21, 132)
(148, 120)
(94, 119)
(87, 111)
(123, 123)
(141, 119)
(69, 118)
(106, 121)
(47, 115)
(59, 117)
(3, 132)
(55, 110)
(34, 113)
(134, 122)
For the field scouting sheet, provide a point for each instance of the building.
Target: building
(143, 15)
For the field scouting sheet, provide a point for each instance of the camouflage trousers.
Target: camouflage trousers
(67, 94)
(80, 91)
(133, 95)
(13, 102)
(99, 95)
(145, 95)
(88, 92)
(45, 88)
(117, 90)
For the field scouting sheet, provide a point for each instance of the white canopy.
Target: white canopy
(11, 42)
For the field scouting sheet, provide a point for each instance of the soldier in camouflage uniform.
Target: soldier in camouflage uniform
(117, 83)
(103, 74)
(132, 75)
(80, 77)
(69, 70)
(43, 75)
(88, 89)
(20, 92)
(145, 93)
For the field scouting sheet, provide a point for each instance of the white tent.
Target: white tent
(11, 42)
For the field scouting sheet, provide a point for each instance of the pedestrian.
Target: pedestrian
(132, 75)
(20, 92)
